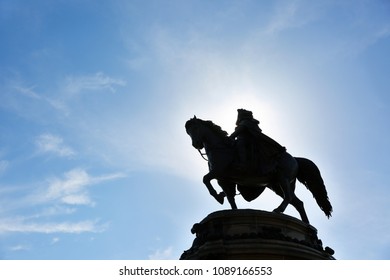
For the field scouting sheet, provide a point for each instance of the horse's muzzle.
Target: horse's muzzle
(197, 145)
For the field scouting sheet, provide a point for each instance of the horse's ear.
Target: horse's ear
(194, 117)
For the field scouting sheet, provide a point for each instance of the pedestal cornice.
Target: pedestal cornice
(255, 234)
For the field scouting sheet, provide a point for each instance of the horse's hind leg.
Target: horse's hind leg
(298, 204)
(286, 193)
(286, 177)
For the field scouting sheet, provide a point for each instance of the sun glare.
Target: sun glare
(225, 114)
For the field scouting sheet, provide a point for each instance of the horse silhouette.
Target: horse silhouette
(223, 162)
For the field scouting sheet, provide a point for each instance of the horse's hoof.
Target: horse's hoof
(277, 210)
(220, 198)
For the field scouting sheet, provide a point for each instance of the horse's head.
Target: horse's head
(205, 134)
(193, 128)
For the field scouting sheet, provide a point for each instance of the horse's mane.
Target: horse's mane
(216, 128)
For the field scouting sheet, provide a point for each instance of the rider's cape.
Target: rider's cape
(265, 149)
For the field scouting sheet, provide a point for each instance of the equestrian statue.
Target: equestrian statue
(250, 161)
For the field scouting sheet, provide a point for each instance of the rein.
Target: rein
(205, 154)
(202, 155)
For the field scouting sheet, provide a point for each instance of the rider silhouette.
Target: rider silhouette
(256, 151)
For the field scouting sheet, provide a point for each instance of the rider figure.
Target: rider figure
(256, 151)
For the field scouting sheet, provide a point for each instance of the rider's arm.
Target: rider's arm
(237, 131)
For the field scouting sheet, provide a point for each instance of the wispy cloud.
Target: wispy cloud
(366, 35)
(55, 210)
(21, 225)
(73, 187)
(58, 197)
(94, 82)
(295, 14)
(26, 100)
(27, 91)
(29, 102)
(162, 254)
(55, 240)
(19, 247)
(49, 143)
(360, 31)
(3, 166)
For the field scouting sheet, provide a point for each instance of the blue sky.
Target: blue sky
(94, 159)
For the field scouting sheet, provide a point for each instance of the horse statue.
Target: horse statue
(223, 166)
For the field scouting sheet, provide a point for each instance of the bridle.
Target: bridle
(205, 154)
(202, 154)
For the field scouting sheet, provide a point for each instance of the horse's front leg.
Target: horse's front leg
(207, 181)
(229, 189)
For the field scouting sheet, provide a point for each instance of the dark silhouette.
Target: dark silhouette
(256, 151)
(253, 162)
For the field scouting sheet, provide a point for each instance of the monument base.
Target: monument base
(247, 234)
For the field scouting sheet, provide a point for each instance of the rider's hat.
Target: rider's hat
(245, 115)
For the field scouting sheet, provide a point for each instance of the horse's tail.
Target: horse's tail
(310, 176)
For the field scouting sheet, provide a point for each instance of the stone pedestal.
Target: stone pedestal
(247, 234)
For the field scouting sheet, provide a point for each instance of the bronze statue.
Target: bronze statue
(253, 162)
(255, 149)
